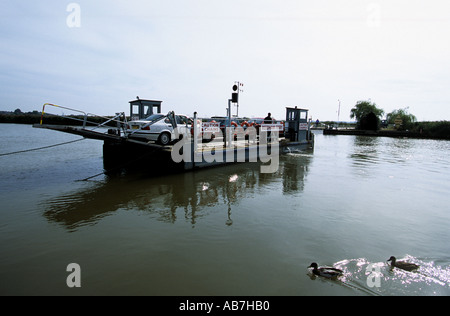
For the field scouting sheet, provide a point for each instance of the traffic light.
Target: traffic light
(235, 93)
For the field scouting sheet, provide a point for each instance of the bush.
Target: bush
(367, 115)
(439, 129)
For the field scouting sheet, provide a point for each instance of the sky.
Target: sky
(322, 55)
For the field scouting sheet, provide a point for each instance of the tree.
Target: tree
(367, 115)
(402, 114)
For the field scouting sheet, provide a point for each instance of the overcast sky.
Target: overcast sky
(97, 55)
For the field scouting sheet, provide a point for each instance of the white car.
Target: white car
(158, 128)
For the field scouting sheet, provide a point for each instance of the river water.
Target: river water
(352, 202)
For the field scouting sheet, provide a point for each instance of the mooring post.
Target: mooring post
(195, 140)
(228, 128)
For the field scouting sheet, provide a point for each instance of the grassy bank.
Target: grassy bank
(427, 130)
(439, 130)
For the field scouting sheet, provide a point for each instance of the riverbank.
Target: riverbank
(421, 134)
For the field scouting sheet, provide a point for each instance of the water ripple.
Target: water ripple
(432, 278)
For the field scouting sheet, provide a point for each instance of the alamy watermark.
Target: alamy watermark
(73, 20)
(373, 272)
(74, 278)
(234, 144)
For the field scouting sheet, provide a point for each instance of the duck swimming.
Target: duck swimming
(326, 272)
(402, 264)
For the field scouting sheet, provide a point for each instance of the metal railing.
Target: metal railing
(120, 118)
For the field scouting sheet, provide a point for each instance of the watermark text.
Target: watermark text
(74, 278)
(73, 20)
(233, 145)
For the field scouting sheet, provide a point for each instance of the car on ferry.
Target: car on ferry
(158, 128)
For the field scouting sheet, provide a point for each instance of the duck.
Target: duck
(407, 266)
(326, 272)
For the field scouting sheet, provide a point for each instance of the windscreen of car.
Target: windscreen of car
(182, 119)
(153, 117)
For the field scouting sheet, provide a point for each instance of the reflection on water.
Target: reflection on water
(165, 196)
(368, 150)
(373, 150)
(365, 149)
